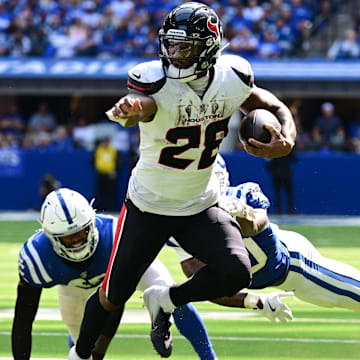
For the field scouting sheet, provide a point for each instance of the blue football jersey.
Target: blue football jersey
(40, 266)
(269, 257)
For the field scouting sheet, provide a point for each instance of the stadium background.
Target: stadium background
(74, 56)
(48, 55)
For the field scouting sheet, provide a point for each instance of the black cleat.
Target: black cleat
(161, 335)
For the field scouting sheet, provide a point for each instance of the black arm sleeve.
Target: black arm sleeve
(27, 303)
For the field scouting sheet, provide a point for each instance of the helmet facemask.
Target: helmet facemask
(185, 57)
(81, 252)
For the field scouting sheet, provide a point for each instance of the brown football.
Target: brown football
(252, 125)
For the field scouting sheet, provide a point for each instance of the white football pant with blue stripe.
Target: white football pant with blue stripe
(72, 299)
(319, 280)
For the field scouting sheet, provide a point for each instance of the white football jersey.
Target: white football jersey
(178, 147)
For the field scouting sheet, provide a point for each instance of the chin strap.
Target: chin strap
(180, 74)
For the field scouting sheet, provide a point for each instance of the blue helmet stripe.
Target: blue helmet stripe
(64, 207)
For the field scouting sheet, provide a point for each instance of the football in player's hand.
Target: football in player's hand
(252, 125)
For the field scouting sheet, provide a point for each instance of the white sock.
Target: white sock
(165, 301)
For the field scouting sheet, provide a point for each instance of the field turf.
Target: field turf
(315, 333)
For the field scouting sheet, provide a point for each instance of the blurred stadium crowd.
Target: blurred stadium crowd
(128, 29)
(42, 130)
(109, 28)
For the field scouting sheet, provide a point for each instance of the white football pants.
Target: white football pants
(72, 299)
(319, 280)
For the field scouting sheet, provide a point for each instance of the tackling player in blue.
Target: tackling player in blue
(283, 259)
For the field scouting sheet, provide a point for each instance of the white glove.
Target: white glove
(273, 308)
(234, 206)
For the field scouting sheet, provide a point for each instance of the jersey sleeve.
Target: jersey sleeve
(251, 193)
(31, 265)
(241, 68)
(146, 78)
(107, 227)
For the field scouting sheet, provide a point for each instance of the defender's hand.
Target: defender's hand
(274, 309)
(278, 146)
(233, 206)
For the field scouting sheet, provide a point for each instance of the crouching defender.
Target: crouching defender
(72, 251)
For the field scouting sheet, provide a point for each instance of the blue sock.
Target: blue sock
(70, 341)
(191, 326)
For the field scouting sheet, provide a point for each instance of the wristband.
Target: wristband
(251, 300)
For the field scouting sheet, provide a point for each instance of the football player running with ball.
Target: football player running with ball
(182, 104)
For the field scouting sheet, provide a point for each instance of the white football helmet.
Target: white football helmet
(222, 174)
(66, 212)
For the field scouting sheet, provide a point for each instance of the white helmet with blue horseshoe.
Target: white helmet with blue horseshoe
(66, 212)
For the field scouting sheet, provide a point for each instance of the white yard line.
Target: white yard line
(133, 316)
(219, 338)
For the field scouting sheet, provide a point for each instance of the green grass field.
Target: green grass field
(315, 333)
